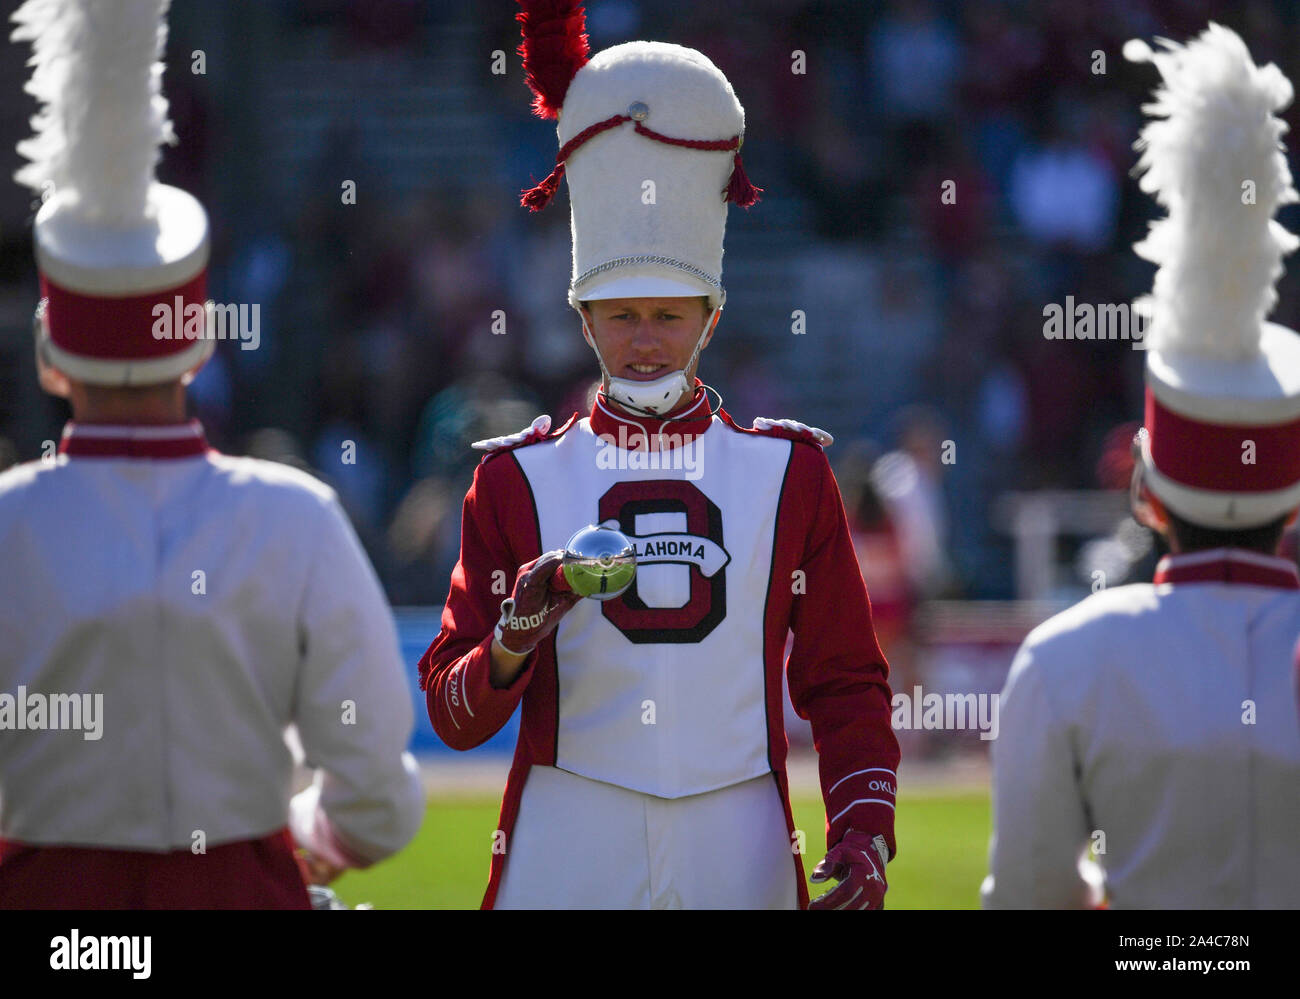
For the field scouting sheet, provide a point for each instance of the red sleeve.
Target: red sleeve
(498, 534)
(837, 674)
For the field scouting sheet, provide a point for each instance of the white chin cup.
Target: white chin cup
(658, 396)
(662, 394)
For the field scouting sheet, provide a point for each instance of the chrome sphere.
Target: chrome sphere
(599, 562)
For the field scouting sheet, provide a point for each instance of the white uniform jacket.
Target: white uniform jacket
(168, 612)
(673, 689)
(1158, 723)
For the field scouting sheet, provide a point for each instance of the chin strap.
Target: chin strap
(673, 419)
(1142, 501)
(628, 390)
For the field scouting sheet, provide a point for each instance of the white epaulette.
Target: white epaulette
(821, 436)
(540, 428)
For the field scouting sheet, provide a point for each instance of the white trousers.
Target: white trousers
(584, 844)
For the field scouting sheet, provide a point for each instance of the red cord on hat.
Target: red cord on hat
(537, 198)
(738, 190)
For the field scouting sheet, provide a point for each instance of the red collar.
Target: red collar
(102, 440)
(628, 431)
(1228, 565)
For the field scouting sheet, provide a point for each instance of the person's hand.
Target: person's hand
(317, 870)
(541, 597)
(857, 862)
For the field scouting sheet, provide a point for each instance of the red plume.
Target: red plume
(554, 49)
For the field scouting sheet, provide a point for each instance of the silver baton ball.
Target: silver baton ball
(599, 562)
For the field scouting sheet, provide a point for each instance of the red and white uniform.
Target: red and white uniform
(1157, 721)
(213, 602)
(672, 691)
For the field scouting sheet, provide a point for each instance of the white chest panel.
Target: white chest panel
(662, 690)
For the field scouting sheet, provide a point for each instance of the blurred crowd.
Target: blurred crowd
(380, 362)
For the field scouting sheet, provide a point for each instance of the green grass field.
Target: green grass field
(942, 841)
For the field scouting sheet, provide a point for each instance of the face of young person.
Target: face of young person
(642, 339)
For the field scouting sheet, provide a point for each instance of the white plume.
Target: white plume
(97, 74)
(1213, 129)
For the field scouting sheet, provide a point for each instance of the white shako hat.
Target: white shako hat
(1222, 441)
(111, 242)
(636, 114)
